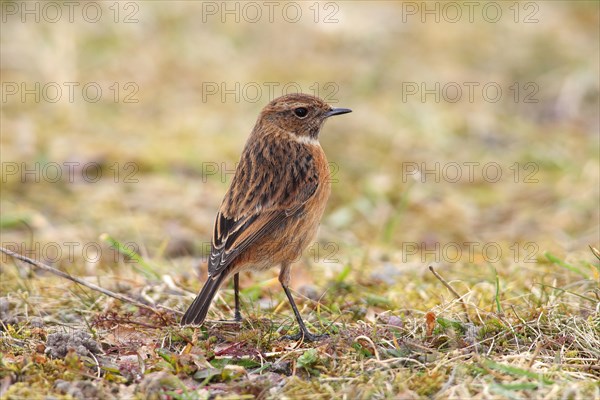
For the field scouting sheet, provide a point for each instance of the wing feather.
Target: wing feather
(260, 199)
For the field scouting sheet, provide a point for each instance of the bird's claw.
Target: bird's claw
(306, 337)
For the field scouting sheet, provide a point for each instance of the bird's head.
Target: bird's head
(299, 114)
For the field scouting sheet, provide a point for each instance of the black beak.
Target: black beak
(337, 111)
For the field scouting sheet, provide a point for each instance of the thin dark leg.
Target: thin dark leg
(236, 292)
(304, 332)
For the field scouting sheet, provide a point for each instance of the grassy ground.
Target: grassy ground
(498, 192)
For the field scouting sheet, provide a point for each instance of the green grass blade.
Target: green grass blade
(144, 268)
(516, 371)
(552, 258)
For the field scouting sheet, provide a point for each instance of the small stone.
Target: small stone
(309, 291)
(58, 344)
(395, 321)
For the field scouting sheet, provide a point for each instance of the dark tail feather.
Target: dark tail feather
(196, 313)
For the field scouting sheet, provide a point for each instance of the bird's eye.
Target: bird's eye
(301, 112)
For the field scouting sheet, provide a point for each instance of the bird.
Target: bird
(273, 207)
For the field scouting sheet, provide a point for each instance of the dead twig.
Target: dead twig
(595, 251)
(80, 281)
(451, 289)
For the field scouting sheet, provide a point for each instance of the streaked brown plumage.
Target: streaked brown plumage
(274, 205)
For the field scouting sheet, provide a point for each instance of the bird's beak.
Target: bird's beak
(337, 111)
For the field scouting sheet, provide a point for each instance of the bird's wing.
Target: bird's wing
(263, 194)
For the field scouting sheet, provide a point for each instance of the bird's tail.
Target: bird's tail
(196, 313)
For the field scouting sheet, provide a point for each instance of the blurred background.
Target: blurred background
(473, 123)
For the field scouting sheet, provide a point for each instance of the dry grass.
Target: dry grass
(526, 322)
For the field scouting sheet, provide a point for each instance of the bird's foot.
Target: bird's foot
(305, 336)
(238, 317)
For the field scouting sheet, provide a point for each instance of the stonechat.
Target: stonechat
(273, 207)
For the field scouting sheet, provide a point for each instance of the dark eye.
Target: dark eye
(301, 112)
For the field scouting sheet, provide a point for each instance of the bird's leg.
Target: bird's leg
(304, 334)
(236, 292)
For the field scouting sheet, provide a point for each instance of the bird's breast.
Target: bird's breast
(315, 206)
